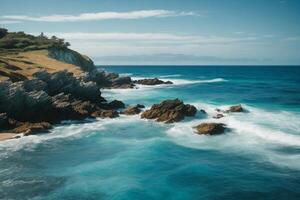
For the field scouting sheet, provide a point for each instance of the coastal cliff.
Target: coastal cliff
(42, 82)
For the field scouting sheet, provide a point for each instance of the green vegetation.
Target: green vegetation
(11, 42)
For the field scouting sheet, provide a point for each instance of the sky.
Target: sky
(194, 32)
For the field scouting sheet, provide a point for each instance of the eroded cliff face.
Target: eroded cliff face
(72, 57)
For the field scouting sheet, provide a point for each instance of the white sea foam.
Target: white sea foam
(183, 81)
(125, 74)
(170, 76)
(71, 130)
(256, 132)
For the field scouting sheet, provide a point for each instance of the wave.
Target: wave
(186, 81)
(247, 134)
(170, 76)
(125, 74)
(181, 81)
(67, 130)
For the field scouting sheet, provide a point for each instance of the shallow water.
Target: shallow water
(130, 158)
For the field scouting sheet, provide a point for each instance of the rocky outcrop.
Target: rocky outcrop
(236, 108)
(133, 110)
(28, 128)
(115, 104)
(218, 116)
(65, 82)
(105, 114)
(72, 57)
(109, 80)
(151, 81)
(210, 128)
(4, 123)
(50, 98)
(169, 111)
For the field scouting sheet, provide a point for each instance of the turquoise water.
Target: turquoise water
(130, 158)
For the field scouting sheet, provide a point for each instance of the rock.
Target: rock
(31, 128)
(34, 84)
(203, 111)
(152, 81)
(169, 111)
(218, 116)
(84, 108)
(4, 123)
(218, 110)
(105, 114)
(237, 108)
(64, 81)
(108, 80)
(122, 82)
(132, 110)
(210, 129)
(140, 106)
(190, 110)
(22, 105)
(115, 104)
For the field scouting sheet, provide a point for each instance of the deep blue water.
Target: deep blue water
(130, 158)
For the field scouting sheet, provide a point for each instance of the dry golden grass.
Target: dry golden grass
(28, 63)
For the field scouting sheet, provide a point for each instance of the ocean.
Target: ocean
(130, 158)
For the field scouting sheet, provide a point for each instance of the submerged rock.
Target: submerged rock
(210, 128)
(169, 111)
(218, 116)
(105, 114)
(115, 104)
(122, 82)
(236, 108)
(132, 110)
(152, 81)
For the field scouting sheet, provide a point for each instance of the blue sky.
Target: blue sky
(166, 32)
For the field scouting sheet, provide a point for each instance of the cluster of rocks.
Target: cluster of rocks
(31, 106)
(151, 81)
(169, 111)
(50, 98)
(108, 80)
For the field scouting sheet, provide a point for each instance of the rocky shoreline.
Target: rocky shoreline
(33, 106)
(47, 83)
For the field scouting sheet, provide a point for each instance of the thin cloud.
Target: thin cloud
(9, 22)
(139, 14)
(152, 37)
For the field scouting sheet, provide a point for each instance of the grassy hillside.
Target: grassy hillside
(21, 55)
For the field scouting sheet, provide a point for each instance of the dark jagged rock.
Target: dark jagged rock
(105, 114)
(22, 105)
(169, 111)
(210, 128)
(237, 108)
(108, 80)
(140, 106)
(64, 81)
(4, 123)
(218, 116)
(115, 104)
(151, 81)
(203, 111)
(122, 82)
(31, 128)
(51, 98)
(132, 110)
